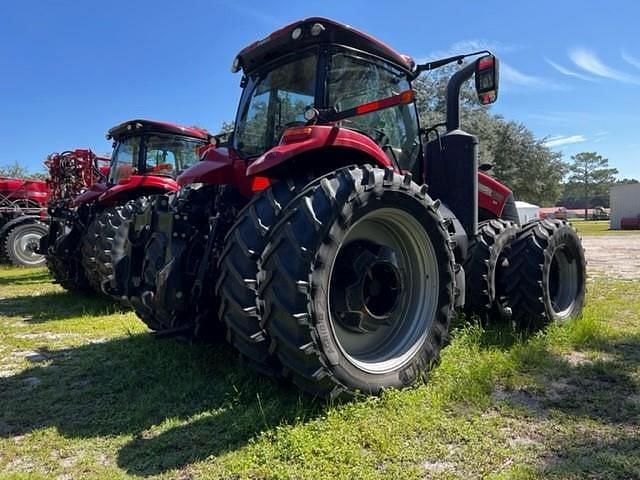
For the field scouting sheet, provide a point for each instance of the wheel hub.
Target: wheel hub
(368, 287)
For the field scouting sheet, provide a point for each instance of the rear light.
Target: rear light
(296, 134)
(486, 62)
(259, 183)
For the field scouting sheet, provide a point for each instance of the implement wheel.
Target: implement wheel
(22, 242)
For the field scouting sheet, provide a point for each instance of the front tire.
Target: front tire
(546, 278)
(357, 283)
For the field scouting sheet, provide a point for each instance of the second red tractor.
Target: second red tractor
(90, 212)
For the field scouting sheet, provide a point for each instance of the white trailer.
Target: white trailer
(625, 203)
(527, 211)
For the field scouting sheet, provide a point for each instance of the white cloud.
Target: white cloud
(512, 76)
(564, 140)
(591, 63)
(630, 59)
(468, 46)
(570, 73)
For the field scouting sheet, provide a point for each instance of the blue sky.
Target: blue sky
(70, 70)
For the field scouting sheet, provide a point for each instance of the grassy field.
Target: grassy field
(598, 228)
(85, 392)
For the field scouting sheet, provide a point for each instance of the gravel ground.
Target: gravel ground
(613, 256)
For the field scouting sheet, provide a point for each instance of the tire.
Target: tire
(545, 281)
(104, 243)
(21, 243)
(238, 271)
(63, 257)
(374, 228)
(483, 269)
(154, 260)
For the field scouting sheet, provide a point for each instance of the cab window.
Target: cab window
(124, 159)
(168, 155)
(354, 80)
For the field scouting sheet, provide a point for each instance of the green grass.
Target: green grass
(103, 399)
(597, 228)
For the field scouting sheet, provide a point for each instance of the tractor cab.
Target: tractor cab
(318, 72)
(144, 147)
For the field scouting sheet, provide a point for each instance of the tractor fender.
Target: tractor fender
(302, 140)
(7, 227)
(136, 185)
(90, 195)
(219, 166)
(492, 195)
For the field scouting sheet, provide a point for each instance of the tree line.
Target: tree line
(532, 170)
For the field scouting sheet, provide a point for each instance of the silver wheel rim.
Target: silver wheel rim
(392, 346)
(24, 246)
(563, 282)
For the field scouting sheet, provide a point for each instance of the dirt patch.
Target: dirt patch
(612, 256)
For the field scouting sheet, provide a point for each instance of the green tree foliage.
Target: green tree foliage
(533, 171)
(15, 170)
(589, 181)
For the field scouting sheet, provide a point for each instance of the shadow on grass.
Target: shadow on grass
(595, 458)
(132, 385)
(29, 277)
(55, 306)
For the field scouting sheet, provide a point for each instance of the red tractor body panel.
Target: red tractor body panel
(280, 43)
(138, 125)
(135, 185)
(220, 166)
(13, 189)
(492, 195)
(90, 194)
(297, 141)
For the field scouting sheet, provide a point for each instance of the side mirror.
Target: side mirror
(487, 79)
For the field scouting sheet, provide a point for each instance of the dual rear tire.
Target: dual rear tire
(104, 243)
(354, 283)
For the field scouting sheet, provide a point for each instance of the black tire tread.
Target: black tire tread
(285, 286)
(10, 238)
(236, 286)
(523, 279)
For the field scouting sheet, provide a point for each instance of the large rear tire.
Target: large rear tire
(238, 270)
(22, 242)
(357, 284)
(483, 269)
(545, 281)
(104, 244)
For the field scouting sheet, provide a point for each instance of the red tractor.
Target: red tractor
(89, 226)
(332, 236)
(22, 213)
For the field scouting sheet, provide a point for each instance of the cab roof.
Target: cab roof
(137, 126)
(281, 42)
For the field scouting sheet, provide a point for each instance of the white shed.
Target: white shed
(625, 202)
(527, 211)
